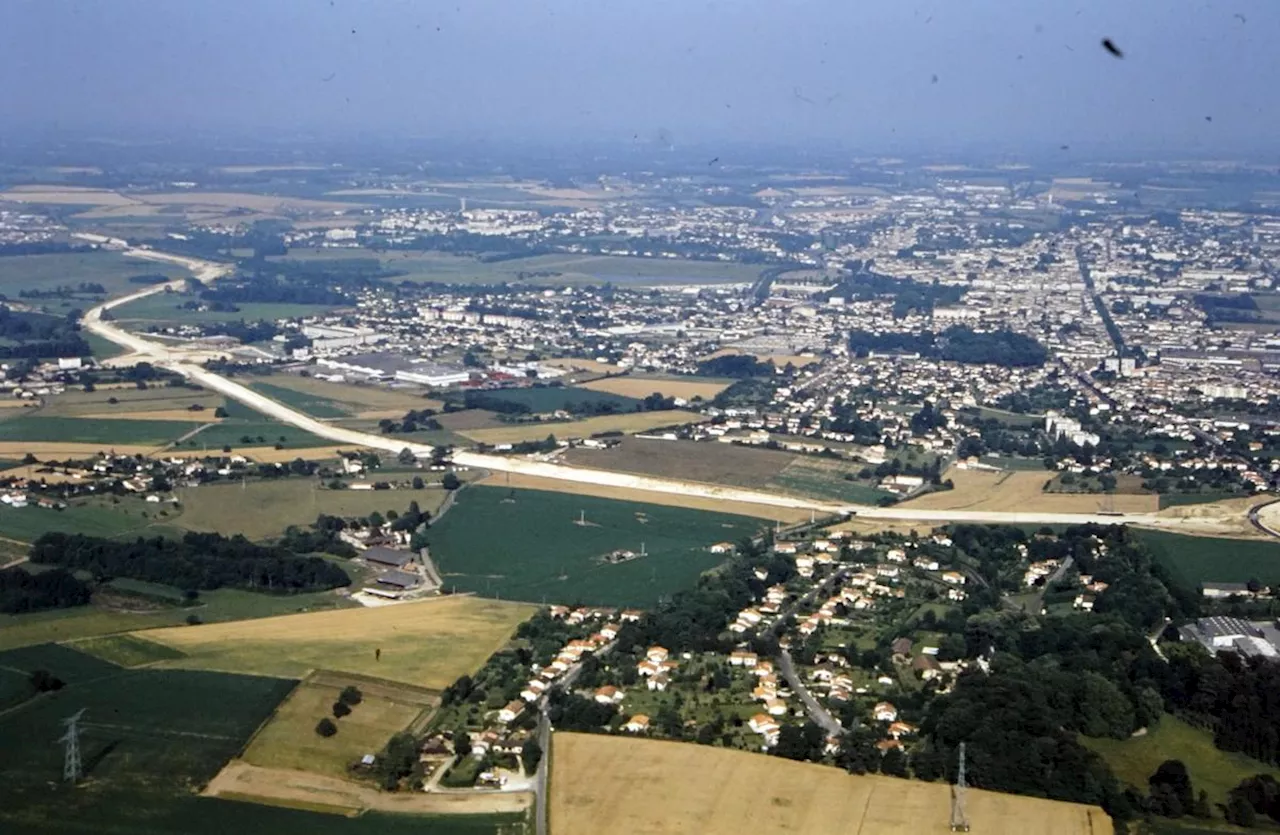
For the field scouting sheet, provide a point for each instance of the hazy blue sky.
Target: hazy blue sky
(701, 71)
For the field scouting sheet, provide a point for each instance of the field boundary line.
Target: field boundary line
(258, 730)
(862, 819)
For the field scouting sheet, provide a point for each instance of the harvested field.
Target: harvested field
(130, 400)
(777, 359)
(714, 463)
(628, 423)
(641, 387)
(185, 415)
(427, 643)
(1009, 490)
(555, 485)
(65, 195)
(289, 740)
(316, 792)
(576, 363)
(61, 451)
(610, 784)
(470, 419)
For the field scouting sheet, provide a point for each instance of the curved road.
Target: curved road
(178, 360)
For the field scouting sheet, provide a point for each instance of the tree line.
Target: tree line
(958, 343)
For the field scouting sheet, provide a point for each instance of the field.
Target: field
(101, 618)
(149, 740)
(311, 404)
(39, 427)
(629, 423)
(166, 309)
(233, 433)
(640, 386)
(551, 398)
(289, 739)
(533, 549)
(542, 270)
(1010, 490)
(714, 463)
(126, 650)
(359, 399)
(263, 509)
(93, 516)
(1217, 772)
(132, 402)
(609, 784)
(428, 643)
(824, 478)
(1202, 559)
(44, 272)
(631, 494)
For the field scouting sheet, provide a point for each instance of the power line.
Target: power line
(959, 818)
(72, 770)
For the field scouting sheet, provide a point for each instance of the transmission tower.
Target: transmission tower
(959, 818)
(71, 769)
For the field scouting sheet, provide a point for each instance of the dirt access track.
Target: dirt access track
(303, 790)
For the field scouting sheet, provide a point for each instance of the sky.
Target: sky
(1009, 73)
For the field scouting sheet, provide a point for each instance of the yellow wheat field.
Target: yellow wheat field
(651, 787)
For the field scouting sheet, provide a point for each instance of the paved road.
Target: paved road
(181, 361)
(816, 711)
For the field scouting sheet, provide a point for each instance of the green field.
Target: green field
(263, 509)
(532, 549)
(246, 434)
(551, 398)
(99, 619)
(539, 270)
(126, 650)
(1217, 772)
(312, 404)
(149, 739)
(110, 269)
(1202, 559)
(131, 401)
(38, 427)
(166, 309)
(102, 348)
(824, 478)
(95, 517)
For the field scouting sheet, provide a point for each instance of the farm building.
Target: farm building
(388, 556)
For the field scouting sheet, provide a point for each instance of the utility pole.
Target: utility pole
(71, 767)
(959, 818)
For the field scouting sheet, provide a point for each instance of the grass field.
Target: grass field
(100, 619)
(629, 423)
(166, 309)
(37, 427)
(824, 478)
(639, 386)
(263, 509)
(1202, 559)
(289, 739)
(555, 269)
(714, 463)
(44, 272)
(630, 494)
(551, 398)
(233, 433)
(126, 650)
(1021, 490)
(611, 784)
(311, 404)
(428, 643)
(533, 549)
(132, 402)
(1217, 772)
(355, 398)
(94, 517)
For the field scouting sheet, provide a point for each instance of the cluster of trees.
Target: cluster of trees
(196, 561)
(21, 591)
(65, 291)
(148, 278)
(347, 699)
(958, 343)
(735, 366)
(246, 332)
(413, 421)
(1238, 699)
(35, 335)
(908, 295)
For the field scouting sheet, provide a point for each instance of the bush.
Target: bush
(351, 695)
(340, 710)
(193, 620)
(326, 728)
(45, 682)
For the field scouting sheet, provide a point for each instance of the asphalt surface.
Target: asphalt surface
(816, 711)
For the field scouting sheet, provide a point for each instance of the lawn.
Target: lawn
(263, 509)
(1217, 772)
(428, 643)
(824, 478)
(289, 739)
(44, 272)
(1202, 559)
(311, 404)
(39, 427)
(94, 517)
(533, 549)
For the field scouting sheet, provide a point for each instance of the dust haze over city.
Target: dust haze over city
(514, 419)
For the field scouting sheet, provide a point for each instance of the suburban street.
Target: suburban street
(819, 714)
